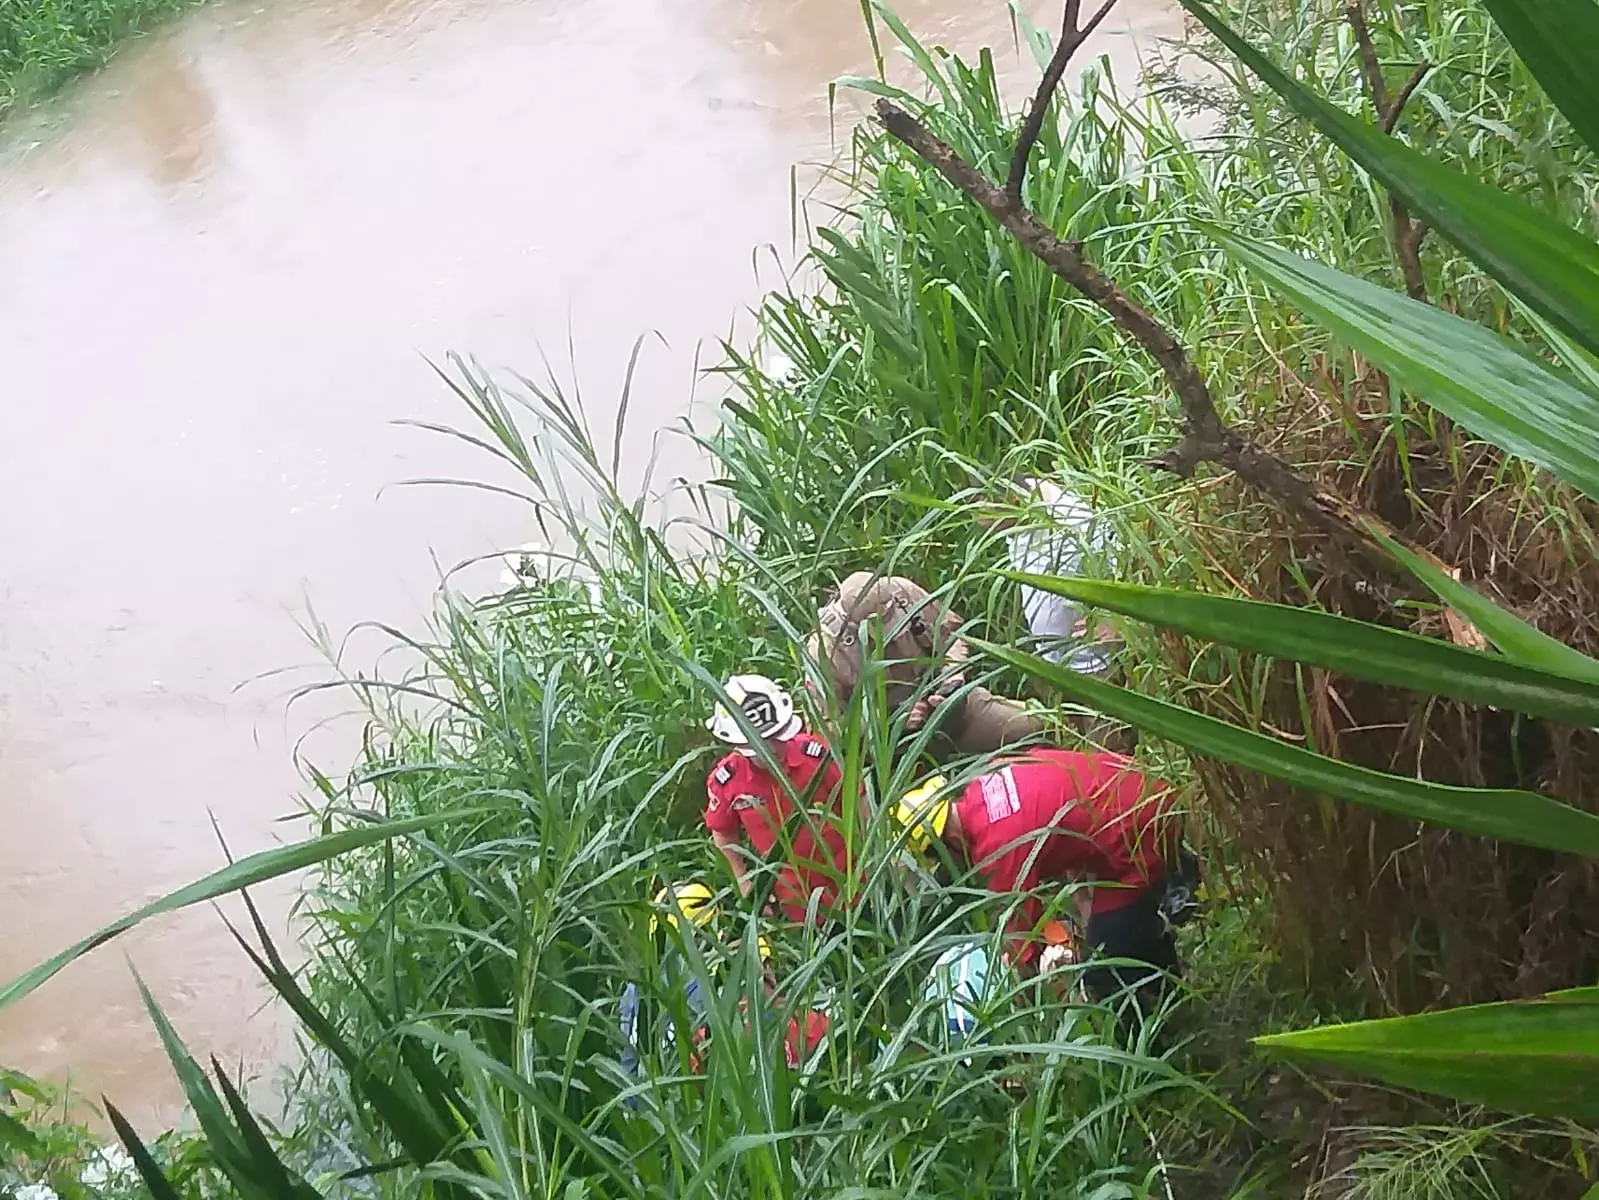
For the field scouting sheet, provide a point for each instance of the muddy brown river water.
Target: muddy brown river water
(222, 262)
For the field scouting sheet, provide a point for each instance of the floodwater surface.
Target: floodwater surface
(224, 262)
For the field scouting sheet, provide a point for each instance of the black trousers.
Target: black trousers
(1139, 932)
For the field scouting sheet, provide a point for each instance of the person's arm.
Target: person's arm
(956, 655)
(726, 830)
(732, 848)
(1022, 926)
(1009, 873)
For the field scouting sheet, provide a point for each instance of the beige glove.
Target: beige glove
(1054, 958)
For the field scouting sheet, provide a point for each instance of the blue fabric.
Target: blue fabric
(695, 1000)
(960, 981)
(627, 1017)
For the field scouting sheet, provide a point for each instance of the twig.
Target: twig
(1071, 40)
(1397, 106)
(1408, 233)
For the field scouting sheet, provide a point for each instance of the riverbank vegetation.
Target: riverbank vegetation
(45, 42)
(547, 752)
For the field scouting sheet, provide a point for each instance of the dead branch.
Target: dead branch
(1408, 233)
(1206, 437)
(1071, 39)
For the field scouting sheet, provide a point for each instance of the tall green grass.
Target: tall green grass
(488, 961)
(45, 42)
(937, 361)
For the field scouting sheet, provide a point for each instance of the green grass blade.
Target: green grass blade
(1357, 648)
(875, 87)
(1507, 814)
(602, 1158)
(277, 1177)
(1486, 382)
(406, 1118)
(154, 1179)
(1515, 638)
(918, 53)
(231, 1153)
(1549, 265)
(489, 1121)
(1556, 39)
(1538, 1056)
(247, 872)
(17, 1137)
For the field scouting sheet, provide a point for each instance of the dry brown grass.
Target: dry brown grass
(1417, 916)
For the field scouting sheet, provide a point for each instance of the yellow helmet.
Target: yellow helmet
(924, 811)
(693, 900)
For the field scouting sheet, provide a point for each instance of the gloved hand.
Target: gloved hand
(1055, 957)
(917, 717)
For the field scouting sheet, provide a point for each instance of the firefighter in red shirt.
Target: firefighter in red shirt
(1049, 816)
(798, 816)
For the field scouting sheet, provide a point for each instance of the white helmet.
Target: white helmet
(767, 708)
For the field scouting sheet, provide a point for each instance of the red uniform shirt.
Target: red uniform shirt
(743, 797)
(1060, 816)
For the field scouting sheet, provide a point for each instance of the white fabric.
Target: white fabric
(1000, 797)
(959, 980)
(1056, 539)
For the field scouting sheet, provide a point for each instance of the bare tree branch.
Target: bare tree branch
(1370, 66)
(1397, 105)
(1071, 40)
(1407, 248)
(1408, 233)
(1206, 437)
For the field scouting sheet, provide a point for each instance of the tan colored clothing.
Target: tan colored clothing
(917, 639)
(984, 723)
(911, 633)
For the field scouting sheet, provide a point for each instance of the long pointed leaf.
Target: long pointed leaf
(283, 1183)
(488, 1119)
(1489, 384)
(14, 1135)
(1513, 816)
(155, 1180)
(1357, 648)
(602, 1157)
(1550, 266)
(410, 1096)
(247, 872)
(1556, 39)
(1538, 1056)
(406, 1117)
(1514, 637)
(220, 1135)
